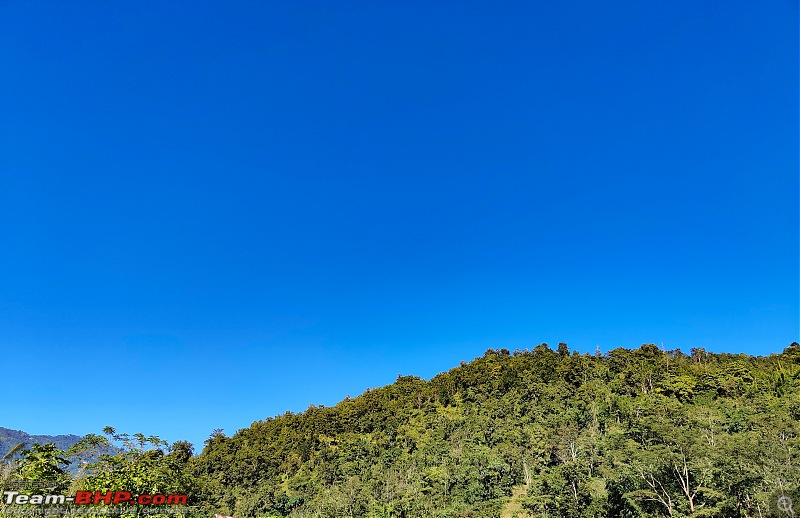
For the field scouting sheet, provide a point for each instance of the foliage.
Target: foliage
(632, 433)
(640, 433)
(42, 462)
(137, 463)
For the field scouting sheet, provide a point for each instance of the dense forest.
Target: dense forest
(542, 432)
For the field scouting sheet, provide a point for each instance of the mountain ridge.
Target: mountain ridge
(10, 438)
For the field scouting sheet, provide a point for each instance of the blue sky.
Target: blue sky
(212, 214)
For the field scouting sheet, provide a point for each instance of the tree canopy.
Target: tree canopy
(629, 433)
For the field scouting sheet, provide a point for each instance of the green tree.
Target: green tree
(45, 463)
(135, 463)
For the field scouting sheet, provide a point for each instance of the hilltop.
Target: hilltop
(630, 433)
(544, 432)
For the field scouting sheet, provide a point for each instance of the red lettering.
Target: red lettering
(83, 497)
(121, 496)
(159, 499)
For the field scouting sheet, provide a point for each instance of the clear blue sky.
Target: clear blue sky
(213, 213)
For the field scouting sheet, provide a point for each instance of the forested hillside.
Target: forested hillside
(632, 433)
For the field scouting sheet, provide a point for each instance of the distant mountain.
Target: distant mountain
(10, 438)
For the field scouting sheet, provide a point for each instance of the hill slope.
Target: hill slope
(632, 433)
(10, 438)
